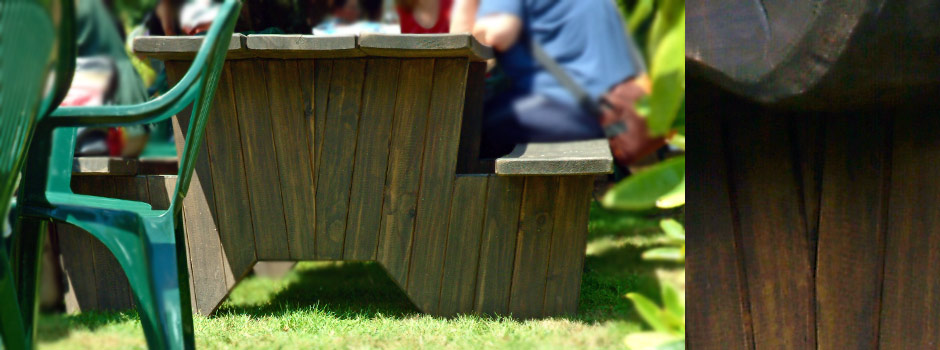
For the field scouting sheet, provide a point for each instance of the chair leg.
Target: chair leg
(12, 333)
(161, 287)
(28, 238)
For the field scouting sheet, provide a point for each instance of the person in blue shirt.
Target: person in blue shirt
(588, 40)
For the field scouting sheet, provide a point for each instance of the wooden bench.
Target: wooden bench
(366, 148)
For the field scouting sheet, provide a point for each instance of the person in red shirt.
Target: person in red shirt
(424, 16)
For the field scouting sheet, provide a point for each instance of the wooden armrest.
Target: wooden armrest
(558, 158)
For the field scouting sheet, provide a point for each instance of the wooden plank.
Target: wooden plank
(714, 273)
(558, 158)
(108, 271)
(809, 137)
(911, 290)
(207, 268)
(230, 189)
(183, 47)
(338, 154)
(498, 246)
(424, 45)
(303, 46)
(533, 244)
(161, 191)
(404, 167)
(437, 176)
(114, 166)
(569, 237)
(366, 196)
(264, 188)
(77, 249)
(293, 154)
(852, 223)
(471, 130)
(458, 282)
(767, 199)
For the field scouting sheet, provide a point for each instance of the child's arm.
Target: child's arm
(498, 30)
(463, 16)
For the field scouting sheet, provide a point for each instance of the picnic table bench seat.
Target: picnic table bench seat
(367, 148)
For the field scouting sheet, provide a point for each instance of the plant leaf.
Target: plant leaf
(650, 312)
(641, 190)
(649, 340)
(674, 198)
(673, 229)
(664, 254)
(667, 71)
(671, 300)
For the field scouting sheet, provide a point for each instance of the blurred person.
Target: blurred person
(355, 17)
(424, 16)
(463, 16)
(586, 38)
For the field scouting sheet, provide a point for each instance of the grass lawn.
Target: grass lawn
(355, 305)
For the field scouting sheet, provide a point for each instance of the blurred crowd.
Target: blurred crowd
(599, 74)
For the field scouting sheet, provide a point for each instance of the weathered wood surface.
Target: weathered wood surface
(362, 158)
(328, 46)
(856, 270)
(816, 54)
(569, 158)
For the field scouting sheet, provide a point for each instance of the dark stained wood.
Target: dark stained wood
(108, 272)
(437, 176)
(498, 245)
(338, 157)
(461, 258)
(303, 46)
(714, 275)
(315, 76)
(183, 47)
(851, 231)
(375, 125)
(404, 167)
(105, 166)
(471, 129)
(424, 45)
(77, 249)
(533, 244)
(822, 55)
(264, 188)
(199, 215)
(771, 225)
(569, 239)
(161, 192)
(227, 166)
(293, 153)
(910, 301)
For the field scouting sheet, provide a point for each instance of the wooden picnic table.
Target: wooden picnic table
(367, 148)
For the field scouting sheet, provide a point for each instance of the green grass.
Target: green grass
(356, 306)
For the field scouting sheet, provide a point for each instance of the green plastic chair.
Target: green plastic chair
(149, 244)
(34, 39)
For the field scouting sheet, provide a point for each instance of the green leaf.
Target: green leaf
(641, 13)
(673, 229)
(674, 198)
(649, 311)
(673, 345)
(649, 340)
(664, 254)
(641, 190)
(667, 72)
(674, 304)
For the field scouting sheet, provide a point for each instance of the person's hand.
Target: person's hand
(498, 31)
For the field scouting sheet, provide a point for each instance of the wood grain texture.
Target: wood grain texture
(462, 255)
(771, 225)
(911, 290)
(183, 47)
(424, 45)
(203, 241)
(471, 129)
(315, 76)
(293, 153)
(368, 183)
(437, 177)
(105, 166)
(108, 272)
(264, 188)
(533, 244)
(303, 46)
(852, 231)
(229, 182)
(161, 191)
(77, 249)
(498, 245)
(569, 239)
(338, 157)
(404, 167)
(588, 157)
(714, 273)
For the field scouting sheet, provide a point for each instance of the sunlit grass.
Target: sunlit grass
(355, 305)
